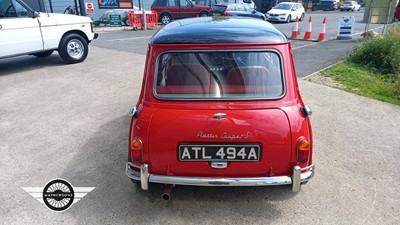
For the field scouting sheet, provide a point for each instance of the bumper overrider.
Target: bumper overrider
(299, 176)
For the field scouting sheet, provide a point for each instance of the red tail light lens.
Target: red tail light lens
(136, 147)
(303, 150)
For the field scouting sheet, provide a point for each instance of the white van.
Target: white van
(24, 31)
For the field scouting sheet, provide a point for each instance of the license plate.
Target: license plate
(219, 152)
(217, 14)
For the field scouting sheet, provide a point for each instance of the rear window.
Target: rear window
(237, 75)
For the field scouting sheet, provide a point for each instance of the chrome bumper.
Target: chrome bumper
(144, 176)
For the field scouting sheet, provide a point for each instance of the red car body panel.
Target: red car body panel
(273, 135)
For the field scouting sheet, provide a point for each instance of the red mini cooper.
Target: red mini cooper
(220, 106)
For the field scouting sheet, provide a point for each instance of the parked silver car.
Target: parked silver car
(350, 5)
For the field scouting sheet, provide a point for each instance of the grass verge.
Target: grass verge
(366, 82)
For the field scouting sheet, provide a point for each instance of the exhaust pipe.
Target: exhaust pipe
(166, 195)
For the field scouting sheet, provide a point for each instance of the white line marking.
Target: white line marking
(314, 43)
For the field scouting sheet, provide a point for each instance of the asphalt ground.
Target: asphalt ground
(317, 56)
(71, 122)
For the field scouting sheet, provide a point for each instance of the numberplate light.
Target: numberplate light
(303, 150)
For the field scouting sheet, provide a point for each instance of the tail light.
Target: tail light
(303, 150)
(136, 148)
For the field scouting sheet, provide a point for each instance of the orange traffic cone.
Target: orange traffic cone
(321, 36)
(308, 34)
(295, 31)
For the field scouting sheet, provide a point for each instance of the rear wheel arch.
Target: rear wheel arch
(78, 32)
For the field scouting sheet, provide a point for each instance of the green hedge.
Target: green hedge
(381, 53)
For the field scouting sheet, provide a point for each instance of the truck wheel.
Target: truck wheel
(73, 48)
(43, 54)
(165, 18)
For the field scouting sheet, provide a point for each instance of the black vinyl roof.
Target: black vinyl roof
(204, 30)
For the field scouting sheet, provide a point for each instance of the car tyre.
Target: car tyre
(73, 48)
(289, 18)
(302, 17)
(165, 18)
(203, 14)
(43, 54)
(127, 22)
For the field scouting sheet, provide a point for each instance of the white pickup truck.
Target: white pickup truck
(24, 31)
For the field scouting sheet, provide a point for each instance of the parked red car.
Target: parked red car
(169, 10)
(397, 11)
(220, 108)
